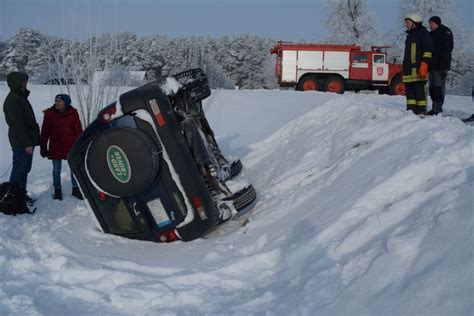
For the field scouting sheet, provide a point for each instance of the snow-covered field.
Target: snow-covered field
(363, 208)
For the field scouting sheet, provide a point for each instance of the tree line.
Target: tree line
(242, 60)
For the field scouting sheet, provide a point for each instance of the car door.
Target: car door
(379, 68)
(360, 67)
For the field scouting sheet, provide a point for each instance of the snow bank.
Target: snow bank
(363, 209)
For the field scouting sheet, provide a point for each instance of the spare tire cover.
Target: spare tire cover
(122, 161)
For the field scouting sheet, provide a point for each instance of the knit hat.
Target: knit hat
(66, 98)
(435, 19)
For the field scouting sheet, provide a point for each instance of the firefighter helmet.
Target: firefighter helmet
(414, 17)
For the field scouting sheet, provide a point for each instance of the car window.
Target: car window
(122, 219)
(379, 59)
(360, 58)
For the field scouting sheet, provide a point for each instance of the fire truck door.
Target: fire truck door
(379, 68)
(360, 67)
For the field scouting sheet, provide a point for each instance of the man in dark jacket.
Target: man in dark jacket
(418, 52)
(440, 63)
(23, 131)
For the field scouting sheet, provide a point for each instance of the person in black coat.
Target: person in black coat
(440, 63)
(23, 130)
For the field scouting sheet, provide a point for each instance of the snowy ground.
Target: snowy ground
(363, 208)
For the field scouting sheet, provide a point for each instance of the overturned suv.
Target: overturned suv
(150, 167)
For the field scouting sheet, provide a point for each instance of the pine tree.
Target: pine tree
(3, 49)
(153, 62)
(21, 47)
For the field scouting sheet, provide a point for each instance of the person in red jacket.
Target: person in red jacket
(61, 127)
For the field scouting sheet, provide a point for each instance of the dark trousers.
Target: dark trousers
(21, 166)
(437, 89)
(57, 175)
(416, 97)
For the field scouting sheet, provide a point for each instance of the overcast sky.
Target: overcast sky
(280, 19)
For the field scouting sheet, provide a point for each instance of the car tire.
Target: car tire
(122, 161)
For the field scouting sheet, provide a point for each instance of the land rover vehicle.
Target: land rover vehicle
(150, 168)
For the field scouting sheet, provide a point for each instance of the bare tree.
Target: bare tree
(76, 65)
(351, 22)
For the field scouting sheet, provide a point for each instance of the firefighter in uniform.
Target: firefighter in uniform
(418, 52)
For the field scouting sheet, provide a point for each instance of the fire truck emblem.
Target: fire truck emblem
(379, 71)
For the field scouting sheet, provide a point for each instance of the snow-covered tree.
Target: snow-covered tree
(81, 62)
(153, 63)
(21, 47)
(245, 59)
(426, 8)
(3, 49)
(351, 22)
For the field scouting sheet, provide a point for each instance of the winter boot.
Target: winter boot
(77, 193)
(469, 119)
(58, 194)
(433, 113)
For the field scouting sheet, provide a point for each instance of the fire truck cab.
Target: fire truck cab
(336, 68)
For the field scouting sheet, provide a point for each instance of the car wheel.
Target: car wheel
(122, 161)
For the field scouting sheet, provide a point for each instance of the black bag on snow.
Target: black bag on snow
(12, 199)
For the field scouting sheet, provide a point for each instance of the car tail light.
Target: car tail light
(102, 195)
(167, 236)
(198, 205)
(160, 119)
(105, 116)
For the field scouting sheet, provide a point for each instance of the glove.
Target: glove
(423, 70)
(44, 153)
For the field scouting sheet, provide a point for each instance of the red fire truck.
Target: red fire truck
(336, 68)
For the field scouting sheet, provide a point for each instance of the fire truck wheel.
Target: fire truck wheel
(335, 85)
(397, 87)
(309, 83)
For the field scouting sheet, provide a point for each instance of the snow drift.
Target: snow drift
(363, 208)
